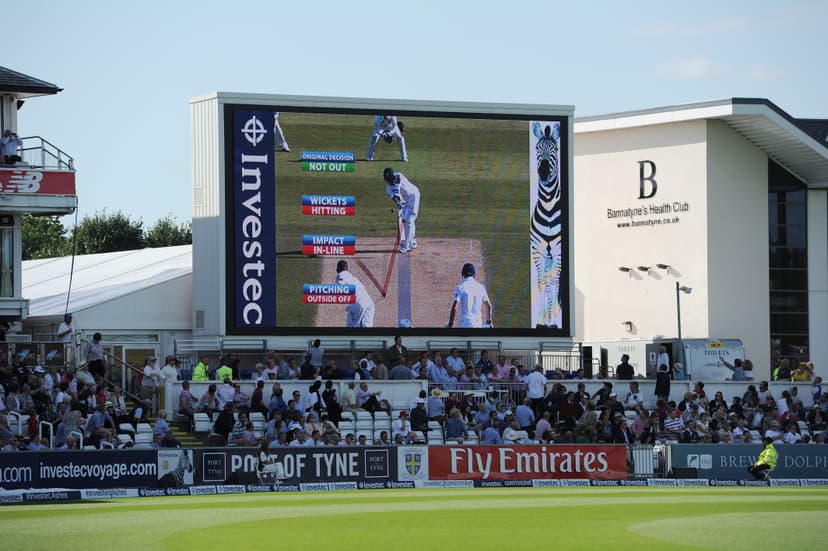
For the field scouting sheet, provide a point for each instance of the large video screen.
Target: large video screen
(415, 222)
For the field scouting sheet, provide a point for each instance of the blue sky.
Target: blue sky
(129, 69)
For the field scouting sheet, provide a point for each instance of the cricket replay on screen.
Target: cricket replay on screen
(420, 222)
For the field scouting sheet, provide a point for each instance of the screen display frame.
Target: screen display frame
(233, 258)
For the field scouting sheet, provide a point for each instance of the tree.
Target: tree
(44, 237)
(167, 233)
(104, 233)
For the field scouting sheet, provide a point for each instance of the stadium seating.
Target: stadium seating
(382, 421)
(258, 420)
(203, 423)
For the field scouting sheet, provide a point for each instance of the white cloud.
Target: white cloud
(719, 26)
(776, 19)
(761, 73)
(691, 68)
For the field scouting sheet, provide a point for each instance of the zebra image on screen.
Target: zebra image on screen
(545, 226)
(176, 478)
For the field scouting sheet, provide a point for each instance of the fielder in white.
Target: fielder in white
(361, 313)
(472, 298)
(280, 136)
(387, 128)
(407, 198)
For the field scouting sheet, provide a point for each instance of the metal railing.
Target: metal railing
(129, 378)
(15, 419)
(40, 153)
(124, 375)
(51, 428)
(648, 460)
(196, 347)
(78, 436)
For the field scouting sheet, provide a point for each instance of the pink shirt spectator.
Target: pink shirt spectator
(541, 428)
(361, 397)
(501, 372)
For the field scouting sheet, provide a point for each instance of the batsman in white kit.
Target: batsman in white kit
(361, 313)
(471, 296)
(387, 127)
(280, 136)
(407, 198)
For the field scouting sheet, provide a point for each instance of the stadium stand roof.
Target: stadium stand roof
(99, 278)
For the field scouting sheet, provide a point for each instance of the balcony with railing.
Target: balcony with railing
(43, 183)
(39, 153)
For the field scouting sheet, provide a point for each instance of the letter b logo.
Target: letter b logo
(643, 178)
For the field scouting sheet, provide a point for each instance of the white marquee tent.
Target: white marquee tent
(146, 292)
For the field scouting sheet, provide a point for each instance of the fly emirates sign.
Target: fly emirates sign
(526, 462)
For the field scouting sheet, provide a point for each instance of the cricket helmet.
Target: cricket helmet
(388, 175)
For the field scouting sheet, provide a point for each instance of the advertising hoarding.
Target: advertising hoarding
(526, 462)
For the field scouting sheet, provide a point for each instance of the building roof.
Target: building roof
(98, 278)
(24, 85)
(817, 128)
(793, 143)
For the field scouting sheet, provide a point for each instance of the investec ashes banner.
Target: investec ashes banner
(253, 201)
(301, 465)
(78, 469)
(718, 461)
(526, 462)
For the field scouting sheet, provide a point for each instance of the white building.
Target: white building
(141, 301)
(726, 197)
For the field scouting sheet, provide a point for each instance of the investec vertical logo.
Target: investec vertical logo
(254, 221)
(254, 131)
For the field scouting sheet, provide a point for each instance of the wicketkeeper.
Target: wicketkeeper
(387, 127)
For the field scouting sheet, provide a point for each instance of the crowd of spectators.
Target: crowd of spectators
(491, 400)
(500, 402)
(63, 408)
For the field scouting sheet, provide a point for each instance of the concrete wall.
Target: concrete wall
(607, 177)
(737, 242)
(208, 222)
(818, 280)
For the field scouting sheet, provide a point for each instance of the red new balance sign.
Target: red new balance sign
(41, 182)
(526, 462)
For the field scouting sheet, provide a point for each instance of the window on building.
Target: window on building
(788, 265)
(6, 261)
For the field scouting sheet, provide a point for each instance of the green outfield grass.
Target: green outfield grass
(473, 179)
(643, 519)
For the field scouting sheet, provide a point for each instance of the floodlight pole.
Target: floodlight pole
(678, 308)
(679, 290)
